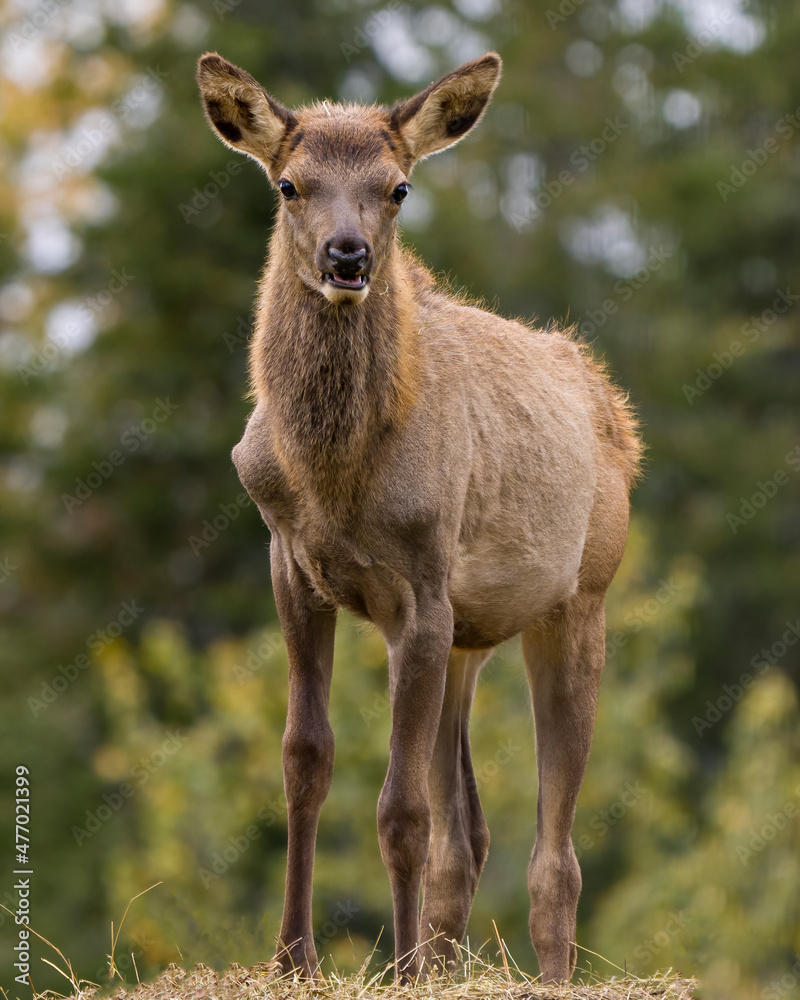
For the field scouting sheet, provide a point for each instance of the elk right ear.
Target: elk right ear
(240, 111)
(448, 109)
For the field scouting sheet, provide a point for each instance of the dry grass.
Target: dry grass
(483, 982)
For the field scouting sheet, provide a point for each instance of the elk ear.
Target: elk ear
(240, 111)
(448, 109)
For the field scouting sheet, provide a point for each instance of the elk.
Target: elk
(454, 477)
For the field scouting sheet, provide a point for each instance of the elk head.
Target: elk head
(342, 170)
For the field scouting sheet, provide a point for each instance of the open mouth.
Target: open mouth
(353, 284)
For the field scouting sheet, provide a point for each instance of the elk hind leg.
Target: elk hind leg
(564, 664)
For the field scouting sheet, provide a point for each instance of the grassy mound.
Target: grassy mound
(482, 983)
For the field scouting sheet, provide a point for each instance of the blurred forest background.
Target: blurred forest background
(639, 174)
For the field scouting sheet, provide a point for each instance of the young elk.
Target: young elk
(453, 477)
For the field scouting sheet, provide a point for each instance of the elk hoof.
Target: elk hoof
(299, 959)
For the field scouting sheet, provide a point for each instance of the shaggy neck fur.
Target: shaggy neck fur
(337, 378)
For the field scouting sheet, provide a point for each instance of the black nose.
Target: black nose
(349, 260)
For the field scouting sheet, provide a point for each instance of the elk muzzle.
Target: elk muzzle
(345, 263)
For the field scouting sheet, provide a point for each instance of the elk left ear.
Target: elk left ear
(240, 111)
(444, 113)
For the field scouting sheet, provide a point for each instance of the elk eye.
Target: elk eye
(288, 190)
(400, 192)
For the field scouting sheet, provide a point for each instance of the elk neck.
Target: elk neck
(336, 379)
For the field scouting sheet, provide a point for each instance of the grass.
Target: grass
(481, 980)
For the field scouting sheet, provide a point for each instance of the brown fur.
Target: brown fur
(454, 477)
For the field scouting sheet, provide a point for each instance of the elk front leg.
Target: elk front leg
(308, 629)
(564, 665)
(417, 673)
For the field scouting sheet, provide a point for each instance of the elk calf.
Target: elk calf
(454, 477)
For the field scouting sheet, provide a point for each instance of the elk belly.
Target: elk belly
(496, 595)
